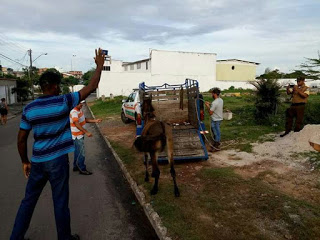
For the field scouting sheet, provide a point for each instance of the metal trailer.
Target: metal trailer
(179, 105)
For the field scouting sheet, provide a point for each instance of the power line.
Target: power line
(9, 45)
(7, 58)
(9, 48)
(24, 57)
(5, 38)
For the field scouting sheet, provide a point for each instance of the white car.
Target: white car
(131, 108)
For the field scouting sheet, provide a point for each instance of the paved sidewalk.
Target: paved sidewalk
(16, 108)
(102, 205)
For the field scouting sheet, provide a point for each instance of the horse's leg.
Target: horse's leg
(155, 172)
(169, 139)
(146, 179)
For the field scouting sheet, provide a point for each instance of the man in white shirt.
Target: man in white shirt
(216, 113)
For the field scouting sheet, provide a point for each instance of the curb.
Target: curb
(14, 115)
(152, 215)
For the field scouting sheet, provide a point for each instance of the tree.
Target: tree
(87, 76)
(296, 74)
(70, 81)
(312, 67)
(275, 74)
(267, 98)
(22, 89)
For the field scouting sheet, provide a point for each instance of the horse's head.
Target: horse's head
(147, 109)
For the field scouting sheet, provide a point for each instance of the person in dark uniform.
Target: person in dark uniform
(300, 94)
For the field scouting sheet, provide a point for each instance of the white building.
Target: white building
(119, 78)
(173, 67)
(6, 86)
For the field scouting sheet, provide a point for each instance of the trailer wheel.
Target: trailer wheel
(124, 118)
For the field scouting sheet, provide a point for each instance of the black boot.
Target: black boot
(285, 133)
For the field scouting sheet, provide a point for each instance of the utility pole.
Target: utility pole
(30, 73)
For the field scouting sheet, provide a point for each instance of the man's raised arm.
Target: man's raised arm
(94, 81)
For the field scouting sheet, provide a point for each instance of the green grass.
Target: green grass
(108, 108)
(312, 157)
(221, 204)
(243, 129)
(230, 207)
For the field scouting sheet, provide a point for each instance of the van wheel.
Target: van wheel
(124, 118)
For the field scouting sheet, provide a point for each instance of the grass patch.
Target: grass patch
(312, 157)
(243, 127)
(108, 108)
(229, 207)
(124, 153)
(217, 203)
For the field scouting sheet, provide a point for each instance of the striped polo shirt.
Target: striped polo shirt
(48, 117)
(76, 115)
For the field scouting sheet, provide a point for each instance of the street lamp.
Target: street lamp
(39, 56)
(71, 60)
(30, 70)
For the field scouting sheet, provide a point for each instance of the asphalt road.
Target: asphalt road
(102, 205)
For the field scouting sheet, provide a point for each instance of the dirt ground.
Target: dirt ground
(277, 163)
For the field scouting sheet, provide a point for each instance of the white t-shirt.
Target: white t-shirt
(217, 109)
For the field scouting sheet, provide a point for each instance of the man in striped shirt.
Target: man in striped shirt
(78, 130)
(48, 117)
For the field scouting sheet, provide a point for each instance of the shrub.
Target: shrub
(311, 115)
(267, 98)
(65, 89)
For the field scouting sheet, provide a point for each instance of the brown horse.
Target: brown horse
(155, 136)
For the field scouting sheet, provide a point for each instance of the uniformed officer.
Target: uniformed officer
(300, 94)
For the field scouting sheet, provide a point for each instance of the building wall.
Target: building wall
(241, 72)
(224, 85)
(134, 67)
(76, 88)
(5, 90)
(115, 66)
(182, 63)
(120, 83)
(174, 67)
(164, 67)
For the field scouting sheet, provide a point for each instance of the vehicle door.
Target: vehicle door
(129, 106)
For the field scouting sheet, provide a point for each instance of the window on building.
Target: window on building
(146, 65)
(138, 65)
(232, 67)
(132, 67)
(106, 68)
(126, 68)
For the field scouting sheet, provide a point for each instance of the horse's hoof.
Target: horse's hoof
(154, 191)
(177, 193)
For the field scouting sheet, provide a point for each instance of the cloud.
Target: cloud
(134, 20)
(256, 30)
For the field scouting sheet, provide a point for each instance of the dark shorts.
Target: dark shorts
(3, 112)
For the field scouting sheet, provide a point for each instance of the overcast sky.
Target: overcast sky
(275, 33)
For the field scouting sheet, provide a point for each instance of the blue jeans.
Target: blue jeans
(79, 154)
(215, 126)
(57, 172)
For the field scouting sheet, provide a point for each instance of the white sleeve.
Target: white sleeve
(213, 107)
